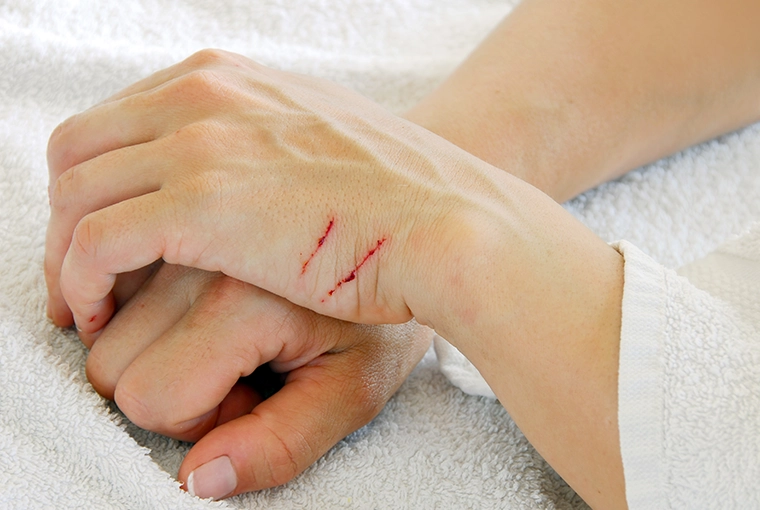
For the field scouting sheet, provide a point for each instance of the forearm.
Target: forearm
(533, 299)
(569, 95)
(566, 96)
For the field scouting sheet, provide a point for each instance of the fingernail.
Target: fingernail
(214, 479)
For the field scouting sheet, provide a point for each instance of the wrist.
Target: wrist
(530, 139)
(521, 269)
(533, 299)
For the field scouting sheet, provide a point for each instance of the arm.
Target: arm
(567, 105)
(569, 95)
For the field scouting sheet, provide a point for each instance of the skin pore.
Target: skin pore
(563, 105)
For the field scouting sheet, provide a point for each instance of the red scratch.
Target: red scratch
(92, 319)
(352, 274)
(320, 242)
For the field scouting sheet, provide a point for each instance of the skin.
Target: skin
(600, 87)
(542, 326)
(444, 197)
(177, 372)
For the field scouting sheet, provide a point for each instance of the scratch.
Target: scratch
(352, 275)
(320, 242)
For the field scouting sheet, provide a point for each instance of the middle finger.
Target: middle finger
(158, 305)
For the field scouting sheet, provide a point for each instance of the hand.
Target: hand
(313, 193)
(290, 183)
(173, 356)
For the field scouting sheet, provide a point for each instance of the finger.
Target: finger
(135, 233)
(140, 113)
(110, 126)
(158, 306)
(241, 400)
(90, 186)
(319, 405)
(118, 239)
(101, 129)
(127, 284)
(171, 290)
(229, 331)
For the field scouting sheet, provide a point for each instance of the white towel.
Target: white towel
(62, 446)
(689, 379)
(689, 390)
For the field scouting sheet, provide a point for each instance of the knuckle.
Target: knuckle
(86, 236)
(58, 149)
(132, 403)
(168, 274)
(192, 140)
(208, 57)
(283, 462)
(184, 280)
(228, 290)
(219, 300)
(221, 293)
(201, 87)
(290, 324)
(99, 375)
(243, 359)
(63, 189)
(216, 58)
(204, 81)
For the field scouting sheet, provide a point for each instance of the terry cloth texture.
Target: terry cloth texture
(690, 379)
(62, 446)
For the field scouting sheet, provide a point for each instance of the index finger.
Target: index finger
(118, 239)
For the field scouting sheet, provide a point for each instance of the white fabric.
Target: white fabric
(689, 379)
(689, 389)
(640, 379)
(61, 446)
(459, 370)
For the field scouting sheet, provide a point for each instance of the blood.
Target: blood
(352, 275)
(320, 242)
(92, 319)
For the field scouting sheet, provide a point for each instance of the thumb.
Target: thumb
(319, 405)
